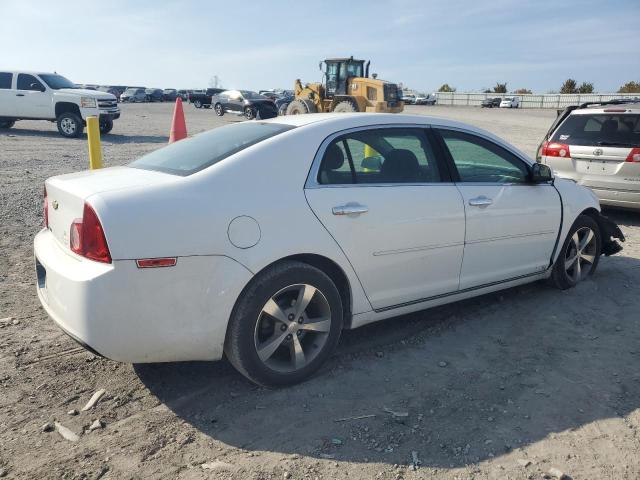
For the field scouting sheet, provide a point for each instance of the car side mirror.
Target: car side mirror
(541, 173)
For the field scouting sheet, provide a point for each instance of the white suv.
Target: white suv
(49, 96)
(598, 145)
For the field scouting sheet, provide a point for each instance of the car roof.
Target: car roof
(344, 121)
(613, 108)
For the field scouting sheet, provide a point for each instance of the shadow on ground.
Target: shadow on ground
(476, 379)
(106, 138)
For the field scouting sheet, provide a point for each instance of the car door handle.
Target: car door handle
(19, 94)
(480, 201)
(350, 209)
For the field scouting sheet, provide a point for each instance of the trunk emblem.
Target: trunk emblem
(54, 204)
(597, 152)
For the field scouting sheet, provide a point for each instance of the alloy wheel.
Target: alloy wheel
(581, 254)
(68, 126)
(292, 328)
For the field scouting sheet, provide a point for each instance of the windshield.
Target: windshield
(599, 129)
(203, 150)
(130, 91)
(56, 82)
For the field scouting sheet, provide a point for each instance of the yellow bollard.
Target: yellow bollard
(369, 151)
(95, 148)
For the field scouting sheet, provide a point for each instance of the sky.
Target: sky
(468, 44)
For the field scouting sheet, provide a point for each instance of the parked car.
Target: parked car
(112, 90)
(244, 102)
(274, 298)
(203, 99)
(283, 102)
(153, 95)
(510, 102)
(134, 94)
(270, 94)
(49, 96)
(598, 145)
(422, 99)
(184, 95)
(169, 95)
(491, 102)
(409, 99)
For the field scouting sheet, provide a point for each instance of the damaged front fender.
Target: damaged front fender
(609, 232)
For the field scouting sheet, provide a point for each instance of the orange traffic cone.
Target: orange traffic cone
(178, 125)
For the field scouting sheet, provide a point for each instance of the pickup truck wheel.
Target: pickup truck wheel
(219, 110)
(197, 104)
(70, 125)
(106, 126)
(4, 124)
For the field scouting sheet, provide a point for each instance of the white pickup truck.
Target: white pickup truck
(49, 96)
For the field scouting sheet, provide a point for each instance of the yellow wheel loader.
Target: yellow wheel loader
(346, 87)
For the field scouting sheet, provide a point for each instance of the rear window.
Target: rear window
(192, 155)
(5, 80)
(599, 128)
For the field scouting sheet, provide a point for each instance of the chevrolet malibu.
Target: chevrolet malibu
(263, 240)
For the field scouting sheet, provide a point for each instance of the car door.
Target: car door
(386, 199)
(7, 95)
(32, 101)
(511, 224)
(235, 102)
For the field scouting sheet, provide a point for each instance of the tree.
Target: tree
(446, 88)
(569, 86)
(585, 87)
(500, 88)
(523, 91)
(630, 87)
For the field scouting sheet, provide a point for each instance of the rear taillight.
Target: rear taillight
(553, 149)
(634, 156)
(46, 209)
(87, 238)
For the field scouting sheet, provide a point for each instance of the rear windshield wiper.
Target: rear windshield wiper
(617, 144)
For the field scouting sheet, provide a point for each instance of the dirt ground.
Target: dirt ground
(508, 385)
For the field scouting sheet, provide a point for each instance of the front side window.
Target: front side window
(479, 160)
(29, 82)
(5, 80)
(379, 156)
(192, 155)
(56, 82)
(594, 129)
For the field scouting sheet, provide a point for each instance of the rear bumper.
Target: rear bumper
(139, 315)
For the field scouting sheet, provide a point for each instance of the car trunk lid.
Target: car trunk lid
(66, 194)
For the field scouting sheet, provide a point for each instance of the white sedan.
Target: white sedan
(263, 240)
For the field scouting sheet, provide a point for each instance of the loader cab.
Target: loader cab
(339, 70)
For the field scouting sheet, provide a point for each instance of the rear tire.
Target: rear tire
(578, 258)
(70, 125)
(345, 106)
(219, 110)
(197, 104)
(249, 113)
(285, 324)
(6, 124)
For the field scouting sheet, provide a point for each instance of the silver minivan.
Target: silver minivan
(598, 146)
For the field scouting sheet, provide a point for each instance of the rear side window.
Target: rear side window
(5, 80)
(389, 155)
(599, 128)
(189, 156)
(29, 82)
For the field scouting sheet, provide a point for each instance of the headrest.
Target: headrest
(400, 165)
(333, 158)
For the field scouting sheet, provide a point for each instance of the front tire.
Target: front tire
(578, 258)
(285, 324)
(301, 106)
(70, 125)
(219, 110)
(106, 126)
(197, 104)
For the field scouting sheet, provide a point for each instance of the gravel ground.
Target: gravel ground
(508, 385)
